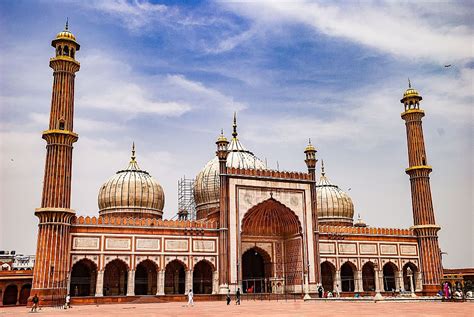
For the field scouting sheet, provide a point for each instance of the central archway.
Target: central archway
(279, 260)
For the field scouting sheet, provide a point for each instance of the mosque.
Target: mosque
(260, 230)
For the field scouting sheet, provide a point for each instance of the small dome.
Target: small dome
(207, 183)
(132, 192)
(65, 35)
(360, 223)
(335, 207)
(309, 147)
(410, 93)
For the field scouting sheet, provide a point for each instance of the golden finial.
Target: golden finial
(409, 82)
(234, 126)
(67, 24)
(322, 168)
(133, 152)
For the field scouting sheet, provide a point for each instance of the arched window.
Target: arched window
(368, 277)
(175, 278)
(347, 277)
(328, 272)
(202, 278)
(145, 278)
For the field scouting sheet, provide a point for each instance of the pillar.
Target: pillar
(399, 281)
(337, 281)
(160, 283)
(99, 286)
(131, 283)
(188, 281)
(378, 275)
(358, 281)
(215, 282)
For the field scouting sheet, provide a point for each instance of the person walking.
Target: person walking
(228, 297)
(237, 296)
(190, 298)
(35, 301)
(68, 302)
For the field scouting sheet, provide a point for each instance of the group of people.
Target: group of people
(448, 293)
(327, 294)
(228, 299)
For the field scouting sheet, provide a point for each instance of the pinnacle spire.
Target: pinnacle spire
(409, 82)
(133, 153)
(322, 168)
(66, 28)
(234, 126)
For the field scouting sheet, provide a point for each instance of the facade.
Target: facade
(260, 230)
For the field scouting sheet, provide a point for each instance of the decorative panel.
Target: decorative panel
(408, 249)
(80, 243)
(388, 249)
(347, 248)
(176, 245)
(147, 244)
(327, 248)
(200, 245)
(366, 248)
(117, 243)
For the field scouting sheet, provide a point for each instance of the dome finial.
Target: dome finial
(133, 152)
(409, 82)
(234, 126)
(67, 24)
(322, 168)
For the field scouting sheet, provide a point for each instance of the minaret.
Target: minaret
(55, 215)
(224, 263)
(419, 171)
(310, 160)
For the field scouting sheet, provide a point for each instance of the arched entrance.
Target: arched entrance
(83, 278)
(24, 294)
(256, 269)
(347, 277)
(268, 271)
(327, 276)
(406, 278)
(146, 278)
(10, 295)
(115, 278)
(368, 277)
(202, 278)
(389, 283)
(175, 278)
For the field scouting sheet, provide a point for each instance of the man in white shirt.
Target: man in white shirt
(190, 298)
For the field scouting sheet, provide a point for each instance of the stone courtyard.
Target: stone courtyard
(259, 308)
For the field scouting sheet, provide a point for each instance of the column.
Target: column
(99, 285)
(160, 284)
(377, 275)
(215, 282)
(419, 281)
(131, 283)
(68, 283)
(358, 281)
(401, 283)
(337, 281)
(188, 281)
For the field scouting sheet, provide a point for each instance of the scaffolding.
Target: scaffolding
(186, 204)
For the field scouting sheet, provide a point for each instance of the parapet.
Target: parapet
(365, 231)
(142, 222)
(269, 173)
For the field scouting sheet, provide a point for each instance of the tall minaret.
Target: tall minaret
(55, 215)
(423, 215)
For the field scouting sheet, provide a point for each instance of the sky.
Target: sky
(169, 75)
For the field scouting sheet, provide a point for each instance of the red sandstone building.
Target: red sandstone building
(260, 230)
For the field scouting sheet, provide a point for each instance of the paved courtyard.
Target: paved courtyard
(257, 308)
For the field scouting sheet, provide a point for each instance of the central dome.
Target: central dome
(132, 193)
(335, 207)
(207, 183)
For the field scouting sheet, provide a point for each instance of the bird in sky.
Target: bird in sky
(448, 65)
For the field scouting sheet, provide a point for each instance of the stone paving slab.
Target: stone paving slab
(258, 308)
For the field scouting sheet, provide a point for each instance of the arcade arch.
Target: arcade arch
(83, 278)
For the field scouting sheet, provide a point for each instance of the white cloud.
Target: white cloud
(402, 29)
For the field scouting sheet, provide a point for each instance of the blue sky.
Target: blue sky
(168, 75)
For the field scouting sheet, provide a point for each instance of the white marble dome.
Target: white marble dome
(335, 207)
(207, 183)
(131, 192)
